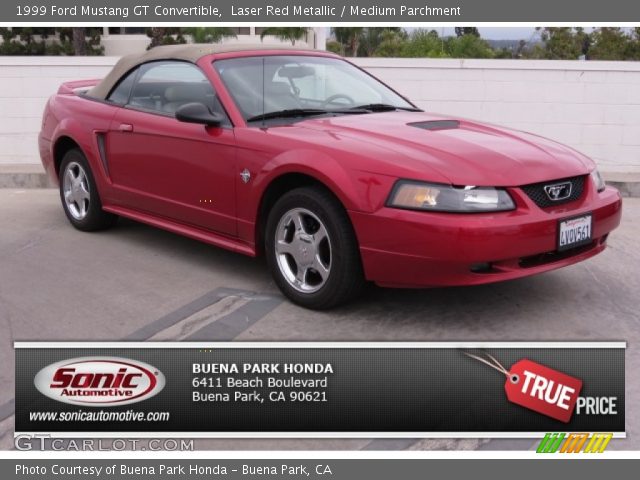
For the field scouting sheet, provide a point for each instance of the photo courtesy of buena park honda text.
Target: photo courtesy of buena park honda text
(284, 239)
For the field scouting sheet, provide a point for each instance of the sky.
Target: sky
(506, 33)
(500, 33)
(494, 33)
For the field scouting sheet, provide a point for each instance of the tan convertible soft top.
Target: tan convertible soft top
(187, 52)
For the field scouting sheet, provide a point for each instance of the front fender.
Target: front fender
(317, 165)
(357, 190)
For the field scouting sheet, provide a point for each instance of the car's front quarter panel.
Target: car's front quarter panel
(268, 156)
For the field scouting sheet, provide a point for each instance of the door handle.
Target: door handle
(125, 127)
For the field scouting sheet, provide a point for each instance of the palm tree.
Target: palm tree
(164, 36)
(372, 37)
(349, 37)
(79, 41)
(288, 34)
(209, 34)
(156, 34)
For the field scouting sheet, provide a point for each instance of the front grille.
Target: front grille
(536, 192)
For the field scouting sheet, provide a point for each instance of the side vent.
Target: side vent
(103, 152)
(436, 125)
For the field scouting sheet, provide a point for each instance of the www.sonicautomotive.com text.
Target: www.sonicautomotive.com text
(99, 416)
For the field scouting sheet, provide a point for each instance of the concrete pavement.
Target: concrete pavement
(59, 284)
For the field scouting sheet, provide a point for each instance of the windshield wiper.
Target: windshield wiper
(306, 112)
(290, 113)
(383, 107)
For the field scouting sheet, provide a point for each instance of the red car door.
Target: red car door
(159, 165)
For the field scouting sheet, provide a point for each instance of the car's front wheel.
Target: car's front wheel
(311, 249)
(79, 194)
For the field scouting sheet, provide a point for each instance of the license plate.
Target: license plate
(574, 232)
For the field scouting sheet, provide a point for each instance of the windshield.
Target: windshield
(301, 86)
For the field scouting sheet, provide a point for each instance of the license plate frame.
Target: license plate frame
(585, 241)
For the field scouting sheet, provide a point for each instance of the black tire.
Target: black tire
(84, 214)
(318, 208)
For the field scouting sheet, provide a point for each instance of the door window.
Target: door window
(163, 87)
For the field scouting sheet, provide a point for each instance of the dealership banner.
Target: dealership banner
(412, 390)
(313, 11)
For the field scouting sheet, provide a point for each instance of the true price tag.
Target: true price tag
(542, 389)
(538, 388)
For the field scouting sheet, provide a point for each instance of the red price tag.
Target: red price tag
(538, 388)
(542, 389)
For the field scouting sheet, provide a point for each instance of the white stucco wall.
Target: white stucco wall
(25, 85)
(592, 106)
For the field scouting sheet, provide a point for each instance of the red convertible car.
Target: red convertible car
(303, 157)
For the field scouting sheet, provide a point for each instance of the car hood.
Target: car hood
(463, 151)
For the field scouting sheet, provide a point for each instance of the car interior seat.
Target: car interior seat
(178, 95)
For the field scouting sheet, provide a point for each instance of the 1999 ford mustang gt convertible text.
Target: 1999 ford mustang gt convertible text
(303, 157)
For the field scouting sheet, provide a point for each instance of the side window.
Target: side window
(165, 86)
(120, 94)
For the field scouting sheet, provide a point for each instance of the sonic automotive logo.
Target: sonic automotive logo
(99, 381)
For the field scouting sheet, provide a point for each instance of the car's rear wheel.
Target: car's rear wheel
(312, 250)
(79, 194)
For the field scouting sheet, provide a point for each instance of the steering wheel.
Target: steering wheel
(338, 96)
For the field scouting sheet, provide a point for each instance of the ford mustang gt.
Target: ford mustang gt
(336, 178)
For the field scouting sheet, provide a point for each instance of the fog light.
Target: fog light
(482, 267)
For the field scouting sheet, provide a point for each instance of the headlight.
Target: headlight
(598, 181)
(445, 198)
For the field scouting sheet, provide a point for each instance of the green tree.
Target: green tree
(335, 47)
(609, 43)
(460, 31)
(9, 45)
(584, 41)
(633, 47)
(468, 46)
(424, 43)
(77, 41)
(37, 41)
(165, 36)
(559, 43)
(372, 37)
(392, 43)
(209, 34)
(29, 41)
(288, 34)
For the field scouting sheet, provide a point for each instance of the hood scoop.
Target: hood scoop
(436, 125)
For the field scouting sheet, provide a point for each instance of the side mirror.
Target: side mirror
(198, 113)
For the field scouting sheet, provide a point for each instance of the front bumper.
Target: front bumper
(402, 248)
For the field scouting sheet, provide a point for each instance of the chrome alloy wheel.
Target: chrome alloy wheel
(75, 188)
(303, 250)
